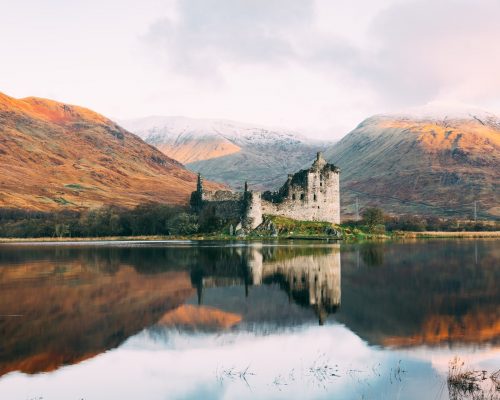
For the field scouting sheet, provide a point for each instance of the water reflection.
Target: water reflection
(61, 305)
(431, 293)
(309, 276)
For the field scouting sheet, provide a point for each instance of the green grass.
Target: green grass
(75, 186)
(62, 201)
(292, 229)
(287, 225)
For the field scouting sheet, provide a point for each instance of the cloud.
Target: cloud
(208, 34)
(413, 52)
(430, 50)
(315, 65)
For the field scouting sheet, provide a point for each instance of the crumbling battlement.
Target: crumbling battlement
(309, 195)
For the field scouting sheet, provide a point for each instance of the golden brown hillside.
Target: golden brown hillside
(422, 165)
(63, 314)
(196, 150)
(199, 317)
(55, 156)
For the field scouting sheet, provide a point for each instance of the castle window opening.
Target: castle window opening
(315, 198)
(293, 196)
(302, 196)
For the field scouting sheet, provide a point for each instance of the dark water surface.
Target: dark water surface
(211, 320)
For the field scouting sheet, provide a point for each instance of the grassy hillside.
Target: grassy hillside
(56, 156)
(422, 165)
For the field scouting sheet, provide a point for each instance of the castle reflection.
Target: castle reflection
(310, 280)
(63, 304)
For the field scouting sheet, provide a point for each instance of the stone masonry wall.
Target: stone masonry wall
(308, 195)
(252, 214)
(224, 204)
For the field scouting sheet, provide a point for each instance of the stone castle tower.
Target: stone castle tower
(309, 195)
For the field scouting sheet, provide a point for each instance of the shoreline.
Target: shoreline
(393, 235)
(446, 235)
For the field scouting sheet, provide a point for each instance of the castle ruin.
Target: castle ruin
(309, 195)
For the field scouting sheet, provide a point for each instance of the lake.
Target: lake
(246, 320)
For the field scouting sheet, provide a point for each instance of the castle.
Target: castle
(308, 195)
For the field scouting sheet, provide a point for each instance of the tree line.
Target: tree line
(374, 219)
(147, 219)
(164, 220)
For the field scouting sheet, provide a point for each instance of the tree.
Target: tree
(61, 230)
(182, 224)
(372, 217)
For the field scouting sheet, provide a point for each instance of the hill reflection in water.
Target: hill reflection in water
(63, 304)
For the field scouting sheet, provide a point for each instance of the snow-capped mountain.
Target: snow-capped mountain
(228, 151)
(423, 163)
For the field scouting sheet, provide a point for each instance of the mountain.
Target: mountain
(227, 151)
(422, 164)
(55, 156)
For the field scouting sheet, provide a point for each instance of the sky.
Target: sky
(317, 66)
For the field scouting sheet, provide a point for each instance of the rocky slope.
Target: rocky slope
(227, 151)
(55, 156)
(427, 164)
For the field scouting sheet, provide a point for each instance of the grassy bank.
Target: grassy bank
(348, 235)
(465, 235)
(275, 227)
(349, 238)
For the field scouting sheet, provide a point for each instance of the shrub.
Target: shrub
(372, 217)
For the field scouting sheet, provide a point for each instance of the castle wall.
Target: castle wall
(311, 195)
(224, 204)
(314, 198)
(227, 205)
(222, 195)
(252, 216)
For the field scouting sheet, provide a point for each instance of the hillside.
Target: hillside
(56, 156)
(426, 165)
(227, 151)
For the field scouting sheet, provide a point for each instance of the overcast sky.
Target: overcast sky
(319, 66)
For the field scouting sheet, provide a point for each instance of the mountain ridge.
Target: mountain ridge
(423, 165)
(61, 156)
(217, 148)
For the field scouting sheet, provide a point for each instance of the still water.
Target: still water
(280, 320)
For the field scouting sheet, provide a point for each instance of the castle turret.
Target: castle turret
(196, 201)
(252, 210)
(199, 184)
(320, 162)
